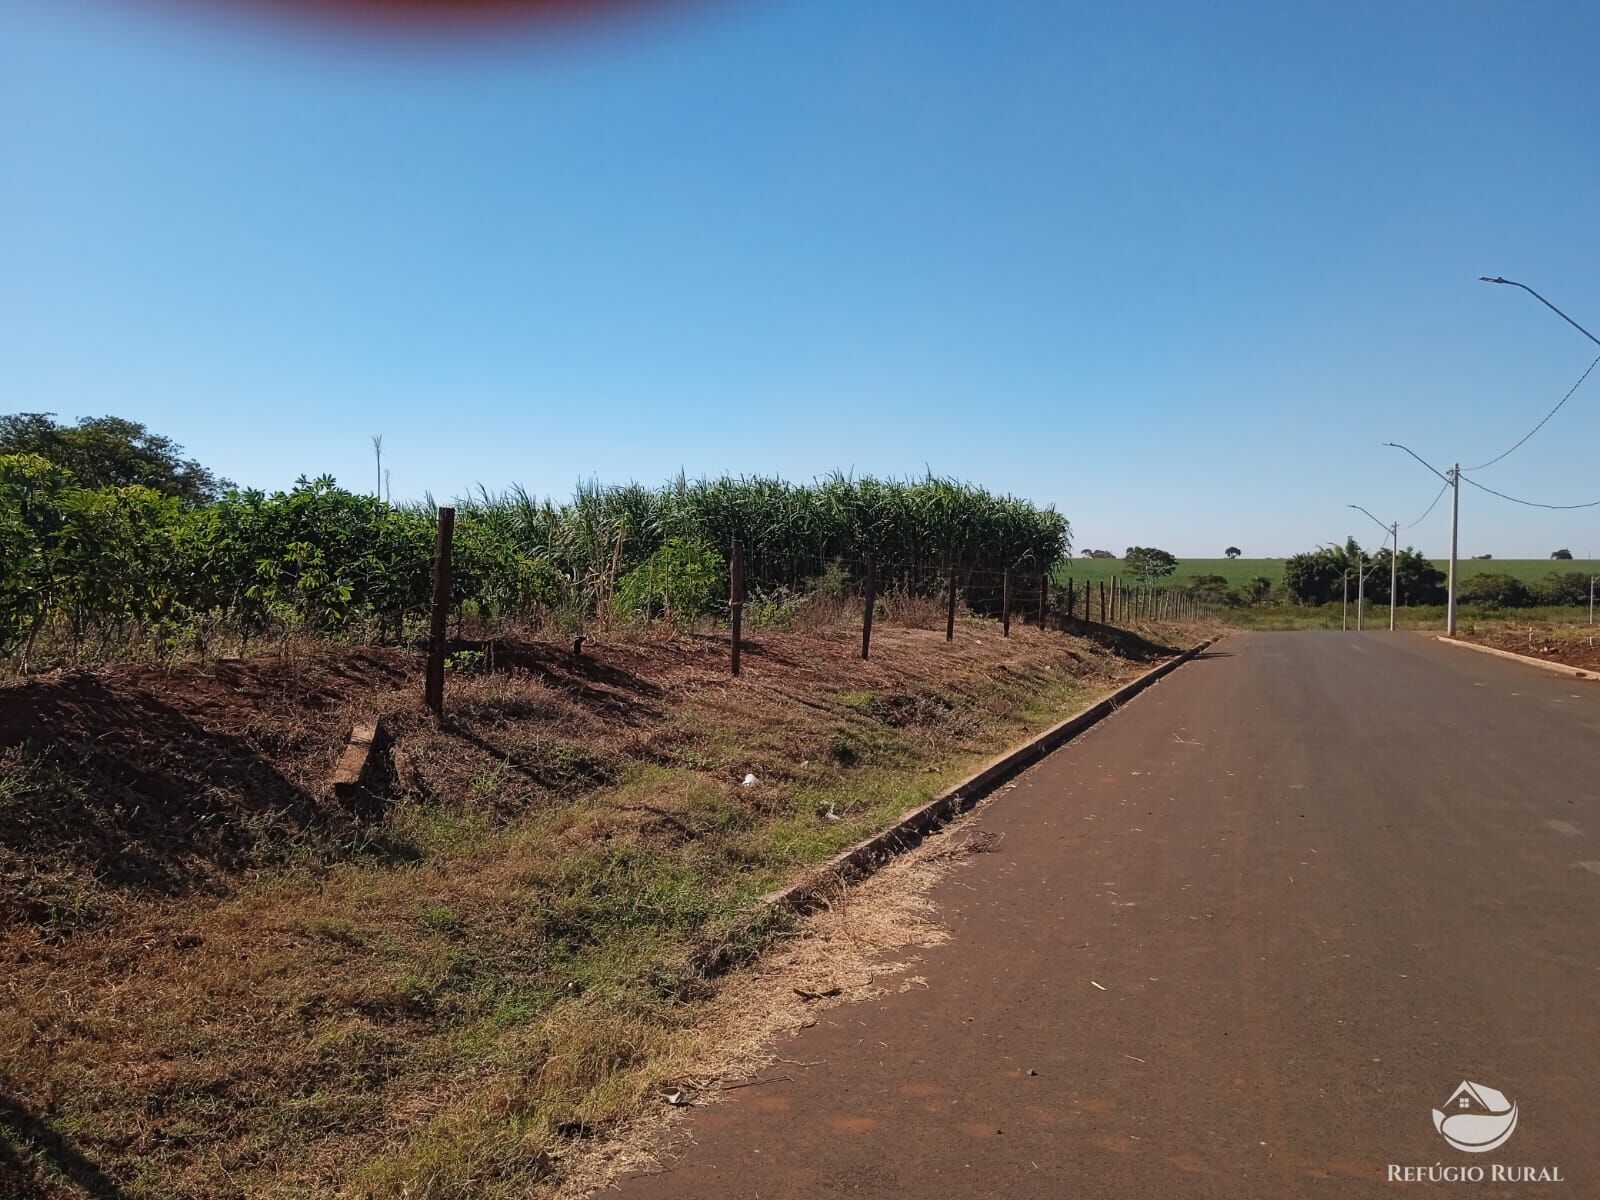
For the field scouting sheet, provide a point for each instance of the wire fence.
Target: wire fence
(1026, 594)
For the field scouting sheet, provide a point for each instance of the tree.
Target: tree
(1314, 577)
(1561, 554)
(1420, 581)
(1233, 552)
(1147, 564)
(111, 452)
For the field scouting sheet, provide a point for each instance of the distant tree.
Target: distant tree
(111, 452)
(1147, 564)
(1561, 554)
(1420, 581)
(1482, 557)
(1086, 552)
(1497, 590)
(1315, 576)
(1233, 552)
(1101, 554)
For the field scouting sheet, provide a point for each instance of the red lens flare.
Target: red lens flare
(467, 15)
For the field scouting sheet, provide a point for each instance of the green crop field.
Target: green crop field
(1237, 570)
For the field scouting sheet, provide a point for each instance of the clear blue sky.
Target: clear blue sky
(1177, 268)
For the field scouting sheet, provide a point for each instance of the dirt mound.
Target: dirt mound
(143, 781)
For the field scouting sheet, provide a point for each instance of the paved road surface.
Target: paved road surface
(1322, 879)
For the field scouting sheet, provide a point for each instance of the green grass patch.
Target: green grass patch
(1422, 616)
(1240, 570)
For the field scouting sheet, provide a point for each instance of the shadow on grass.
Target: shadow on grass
(24, 1136)
(1125, 643)
(125, 789)
(603, 688)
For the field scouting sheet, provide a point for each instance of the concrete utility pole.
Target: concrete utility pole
(1394, 574)
(1452, 479)
(1393, 530)
(1344, 611)
(1361, 588)
(1455, 545)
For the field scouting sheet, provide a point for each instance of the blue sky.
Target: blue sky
(1179, 269)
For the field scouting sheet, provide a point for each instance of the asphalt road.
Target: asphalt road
(1321, 879)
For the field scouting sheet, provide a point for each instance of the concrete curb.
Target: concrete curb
(867, 856)
(1558, 668)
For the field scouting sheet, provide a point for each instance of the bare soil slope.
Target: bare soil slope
(219, 981)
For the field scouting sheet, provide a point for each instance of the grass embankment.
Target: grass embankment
(220, 984)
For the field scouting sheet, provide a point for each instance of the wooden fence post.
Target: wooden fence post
(1102, 602)
(736, 596)
(433, 687)
(1005, 604)
(870, 602)
(1044, 595)
(950, 611)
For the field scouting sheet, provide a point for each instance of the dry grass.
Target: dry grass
(454, 998)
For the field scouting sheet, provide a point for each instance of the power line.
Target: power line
(1541, 424)
(1529, 503)
(1442, 490)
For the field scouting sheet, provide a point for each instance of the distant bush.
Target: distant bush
(1501, 591)
(1562, 588)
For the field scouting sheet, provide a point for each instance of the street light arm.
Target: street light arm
(1420, 459)
(1541, 300)
(1387, 529)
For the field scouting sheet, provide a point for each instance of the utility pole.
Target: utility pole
(1455, 547)
(1394, 573)
(1344, 611)
(1361, 587)
(1393, 530)
(1452, 479)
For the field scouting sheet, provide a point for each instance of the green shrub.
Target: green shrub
(679, 582)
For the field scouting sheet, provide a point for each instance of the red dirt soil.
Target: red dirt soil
(1573, 645)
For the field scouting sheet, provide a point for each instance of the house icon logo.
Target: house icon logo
(1476, 1118)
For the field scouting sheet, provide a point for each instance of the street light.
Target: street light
(1541, 300)
(1393, 531)
(1453, 479)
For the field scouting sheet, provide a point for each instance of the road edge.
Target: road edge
(869, 855)
(1558, 668)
